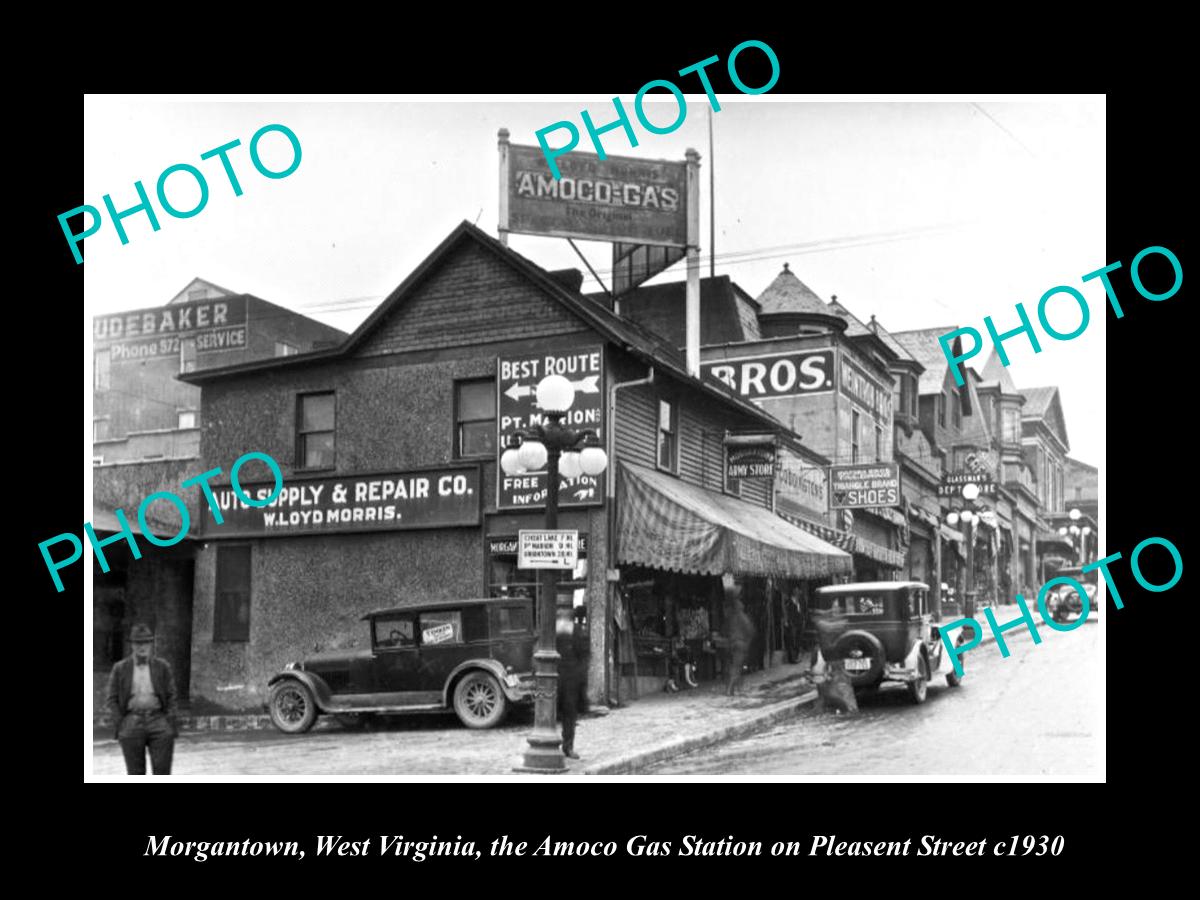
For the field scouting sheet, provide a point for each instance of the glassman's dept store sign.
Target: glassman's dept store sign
(866, 485)
(517, 379)
(432, 498)
(615, 199)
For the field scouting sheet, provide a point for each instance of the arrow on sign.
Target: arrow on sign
(517, 391)
(588, 385)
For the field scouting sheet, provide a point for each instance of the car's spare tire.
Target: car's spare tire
(853, 647)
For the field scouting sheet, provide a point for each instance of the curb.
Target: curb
(628, 763)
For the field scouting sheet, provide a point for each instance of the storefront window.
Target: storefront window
(506, 580)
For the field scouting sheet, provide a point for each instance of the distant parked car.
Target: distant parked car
(880, 631)
(472, 656)
(1063, 602)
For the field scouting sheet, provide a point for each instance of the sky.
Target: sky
(924, 213)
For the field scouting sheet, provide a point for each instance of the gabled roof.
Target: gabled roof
(923, 346)
(635, 339)
(894, 345)
(994, 372)
(1044, 404)
(181, 297)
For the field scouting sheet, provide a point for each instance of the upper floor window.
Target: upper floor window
(475, 418)
(956, 404)
(1011, 426)
(878, 443)
(187, 354)
(187, 418)
(941, 410)
(100, 431)
(668, 435)
(103, 370)
(283, 348)
(314, 430)
(854, 423)
(197, 293)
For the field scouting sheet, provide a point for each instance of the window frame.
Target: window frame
(941, 409)
(102, 375)
(194, 413)
(957, 414)
(301, 447)
(878, 443)
(457, 423)
(673, 403)
(855, 422)
(220, 625)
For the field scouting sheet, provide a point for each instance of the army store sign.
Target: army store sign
(146, 333)
(434, 498)
(863, 486)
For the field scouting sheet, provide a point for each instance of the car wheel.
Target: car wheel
(478, 700)
(953, 678)
(919, 689)
(293, 710)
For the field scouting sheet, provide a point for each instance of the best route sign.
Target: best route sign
(547, 549)
(517, 379)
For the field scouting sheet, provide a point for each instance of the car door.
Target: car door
(397, 657)
(444, 643)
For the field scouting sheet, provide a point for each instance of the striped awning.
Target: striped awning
(666, 523)
(843, 540)
(878, 552)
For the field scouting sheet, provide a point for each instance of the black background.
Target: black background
(104, 827)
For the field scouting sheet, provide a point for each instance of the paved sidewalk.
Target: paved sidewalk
(658, 726)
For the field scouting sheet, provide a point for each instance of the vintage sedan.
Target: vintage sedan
(879, 631)
(472, 656)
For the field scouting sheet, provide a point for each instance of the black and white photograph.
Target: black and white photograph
(684, 435)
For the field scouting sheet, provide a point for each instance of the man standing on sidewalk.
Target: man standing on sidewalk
(740, 631)
(572, 647)
(141, 699)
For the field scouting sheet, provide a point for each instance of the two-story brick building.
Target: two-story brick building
(146, 439)
(413, 396)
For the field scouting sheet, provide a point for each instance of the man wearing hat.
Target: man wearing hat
(141, 698)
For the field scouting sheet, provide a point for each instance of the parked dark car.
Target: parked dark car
(879, 631)
(472, 656)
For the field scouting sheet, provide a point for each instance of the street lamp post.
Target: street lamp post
(558, 449)
(969, 517)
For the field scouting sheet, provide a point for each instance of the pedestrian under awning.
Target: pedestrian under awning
(665, 523)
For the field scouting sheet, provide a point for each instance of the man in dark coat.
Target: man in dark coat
(142, 701)
(739, 630)
(572, 646)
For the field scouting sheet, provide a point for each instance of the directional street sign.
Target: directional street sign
(547, 549)
(517, 378)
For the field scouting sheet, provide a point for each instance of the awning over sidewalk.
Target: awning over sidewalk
(665, 523)
(878, 552)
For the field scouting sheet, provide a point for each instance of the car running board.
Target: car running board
(386, 710)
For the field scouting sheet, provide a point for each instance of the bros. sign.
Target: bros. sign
(776, 375)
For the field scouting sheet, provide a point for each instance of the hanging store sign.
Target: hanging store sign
(547, 549)
(796, 374)
(953, 483)
(156, 332)
(801, 489)
(864, 485)
(395, 501)
(638, 201)
(517, 379)
(755, 461)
